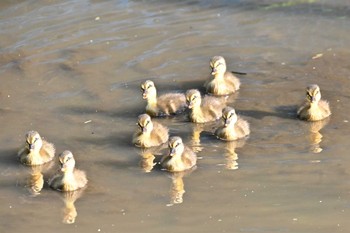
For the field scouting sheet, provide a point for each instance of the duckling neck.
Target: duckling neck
(152, 101)
(219, 76)
(314, 105)
(197, 112)
(68, 176)
(34, 157)
(147, 133)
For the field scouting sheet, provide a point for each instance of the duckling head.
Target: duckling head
(218, 65)
(145, 123)
(148, 90)
(193, 98)
(229, 116)
(176, 146)
(67, 161)
(33, 141)
(313, 93)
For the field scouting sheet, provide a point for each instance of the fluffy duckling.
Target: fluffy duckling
(36, 151)
(314, 109)
(180, 157)
(149, 133)
(164, 105)
(204, 110)
(234, 127)
(224, 82)
(69, 178)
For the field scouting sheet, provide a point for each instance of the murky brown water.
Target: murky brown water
(72, 69)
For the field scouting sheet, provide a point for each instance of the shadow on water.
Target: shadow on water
(285, 112)
(299, 7)
(128, 113)
(9, 157)
(120, 140)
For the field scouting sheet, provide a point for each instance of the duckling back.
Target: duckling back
(69, 182)
(239, 130)
(209, 110)
(149, 133)
(180, 157)
(314, 108)
(68, 178)
(187, 160)
(164, 105)
(171, 103)
(226, 85)
(317, 112)
(37, 151)
(223, 82)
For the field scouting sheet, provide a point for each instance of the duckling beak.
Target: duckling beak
(31, 146)
(313, 99)
(144, 130)
(172, 152)
(144, 95)
(189, 105)
(227, 122)
(63, 167)
(213, 70)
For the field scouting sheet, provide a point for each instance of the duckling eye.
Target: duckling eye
(194, 97)
(219, 64)
(149, 86)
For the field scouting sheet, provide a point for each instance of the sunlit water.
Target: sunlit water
(72, 71)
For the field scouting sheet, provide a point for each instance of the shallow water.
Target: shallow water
(72, 69)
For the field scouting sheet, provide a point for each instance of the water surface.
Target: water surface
(72, 70)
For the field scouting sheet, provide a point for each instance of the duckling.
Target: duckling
(224, 82)
(314, 109)
(234, 127)
(164, 105)
(149, 133)
(180, 157)
(36, 151)
(206, 110)
(69, 178)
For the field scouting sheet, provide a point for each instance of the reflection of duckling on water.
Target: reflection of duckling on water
(315, 136)
(231, 156)
(69, 212)
(234, 127)
(69, 178)
(164, 105)
(178, 186)
(314, 108)
(147, 161)
(224, 82)
(36, 150)
(204, 110)
(197, 129)
(148, 156)
(149, 133)
(35, 181)
(180, 157)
